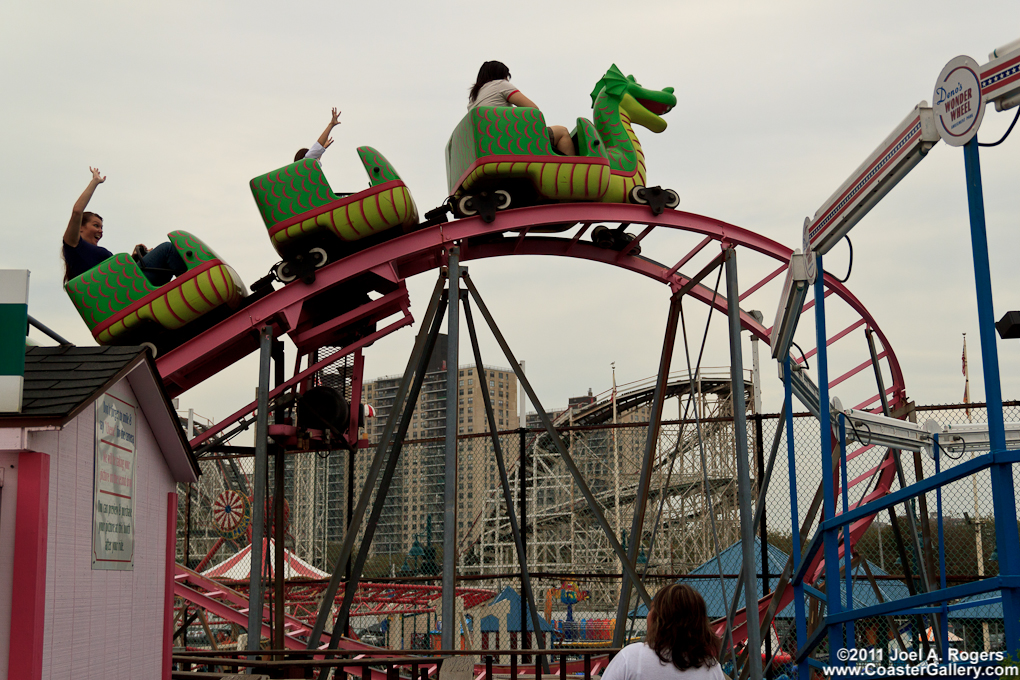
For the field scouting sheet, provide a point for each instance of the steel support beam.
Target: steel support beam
(833, 601)
(373, 471)
(568, 460)
(258, 515)
(743, 465)
(1003, 494)
(907, 506)
(278, 528)
(450, 478)
(406, 409)
(504, 480)
(654, 424)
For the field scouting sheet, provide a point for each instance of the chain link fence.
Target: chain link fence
(690, 533)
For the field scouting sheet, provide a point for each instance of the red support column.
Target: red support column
(168, 587)
(28, 599)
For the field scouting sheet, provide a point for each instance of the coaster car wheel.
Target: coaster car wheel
(602, 236)
(656, 198)
(319, 256)
(466, 206)
(503, 199)
(621, 239)
(285, 272)
(672, 199)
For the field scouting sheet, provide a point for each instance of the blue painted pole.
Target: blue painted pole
(803, 668)
(1003, 499)
(832, 595)
(944, 614)
(847, 552)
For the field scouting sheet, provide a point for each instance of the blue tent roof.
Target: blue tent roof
(490, 623)
(981, 611)
(705, 579)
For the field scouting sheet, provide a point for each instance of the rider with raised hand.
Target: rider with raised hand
(322, 143)
(81, 250)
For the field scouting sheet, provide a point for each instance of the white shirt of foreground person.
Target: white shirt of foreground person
(639, 661)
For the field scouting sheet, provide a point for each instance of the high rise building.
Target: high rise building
(415, 501)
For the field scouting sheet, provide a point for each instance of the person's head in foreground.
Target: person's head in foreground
(678, 630)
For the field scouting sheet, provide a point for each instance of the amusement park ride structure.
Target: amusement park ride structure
(563, 532)
(523, 231)
(351, 292)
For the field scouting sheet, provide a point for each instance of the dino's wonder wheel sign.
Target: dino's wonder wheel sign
(957, 101)
(232, 514)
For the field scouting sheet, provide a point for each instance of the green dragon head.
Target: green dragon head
(643, 106)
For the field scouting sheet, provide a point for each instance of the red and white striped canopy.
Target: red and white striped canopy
(238, 567)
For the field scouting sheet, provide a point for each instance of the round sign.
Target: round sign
(232, 514)
(957, 101)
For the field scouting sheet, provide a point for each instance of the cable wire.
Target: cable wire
(1017, 116)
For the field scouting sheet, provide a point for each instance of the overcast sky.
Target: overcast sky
(180, 104)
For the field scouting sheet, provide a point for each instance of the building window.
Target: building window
(492, 383)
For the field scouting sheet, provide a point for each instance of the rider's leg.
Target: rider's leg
(562, 141)
(164, 257)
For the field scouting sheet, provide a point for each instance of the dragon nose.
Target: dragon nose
(668, 89)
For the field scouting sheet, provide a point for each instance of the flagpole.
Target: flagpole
(966, 376)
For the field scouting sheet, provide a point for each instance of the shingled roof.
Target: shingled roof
(60, 381)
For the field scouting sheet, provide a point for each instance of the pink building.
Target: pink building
(88, 509)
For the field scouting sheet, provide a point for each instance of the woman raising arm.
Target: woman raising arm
(81, 249)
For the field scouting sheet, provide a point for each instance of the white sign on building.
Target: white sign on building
(113, 524)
